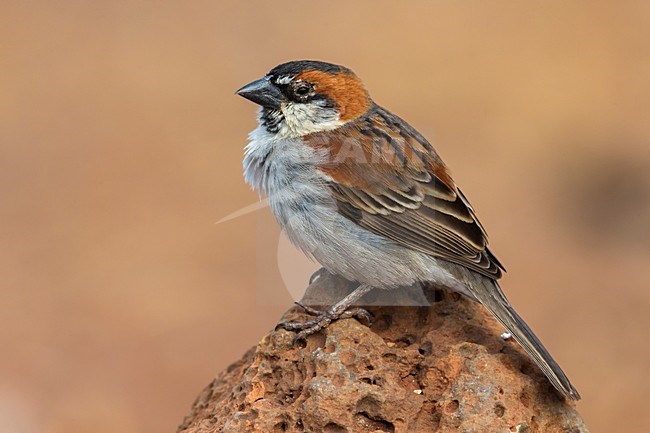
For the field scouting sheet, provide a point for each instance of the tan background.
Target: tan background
(121, 145)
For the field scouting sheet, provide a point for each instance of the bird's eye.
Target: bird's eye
(302, 90)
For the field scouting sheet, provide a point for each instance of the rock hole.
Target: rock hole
(368, 404)
(280, 427)
(452, 406)
(377, 381)
(374, 424)
(291, 395)
(426, 349)
(317, 340)
(334, 428)
(499, 410)
(404, 341)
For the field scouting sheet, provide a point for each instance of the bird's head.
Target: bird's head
(305, 97)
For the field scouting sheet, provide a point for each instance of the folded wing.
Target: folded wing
(388, 179)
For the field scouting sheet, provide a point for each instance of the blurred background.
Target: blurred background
(121, 144)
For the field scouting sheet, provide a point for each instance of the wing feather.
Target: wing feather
(400, 188)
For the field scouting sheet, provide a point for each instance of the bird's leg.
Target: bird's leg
(340, 310)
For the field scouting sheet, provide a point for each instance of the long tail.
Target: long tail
(488, 293)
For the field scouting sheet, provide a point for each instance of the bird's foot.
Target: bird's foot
(323, 319)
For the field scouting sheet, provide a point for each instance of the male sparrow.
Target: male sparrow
(364, 194)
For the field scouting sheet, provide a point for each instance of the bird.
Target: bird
(363, 193)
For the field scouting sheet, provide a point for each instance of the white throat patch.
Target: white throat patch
(303, 119)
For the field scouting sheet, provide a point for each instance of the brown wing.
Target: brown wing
(388, 179)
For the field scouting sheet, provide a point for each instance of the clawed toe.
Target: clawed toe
(322, 320)
(294, 326)
(360, 314)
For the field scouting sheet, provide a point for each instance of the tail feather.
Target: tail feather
(490, 295)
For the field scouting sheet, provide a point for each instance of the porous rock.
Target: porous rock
(437, 368)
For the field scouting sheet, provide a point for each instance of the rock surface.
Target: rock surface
(439, 368)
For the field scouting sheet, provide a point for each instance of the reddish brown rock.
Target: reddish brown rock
(442, 368)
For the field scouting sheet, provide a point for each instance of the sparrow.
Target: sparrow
(363, 193)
